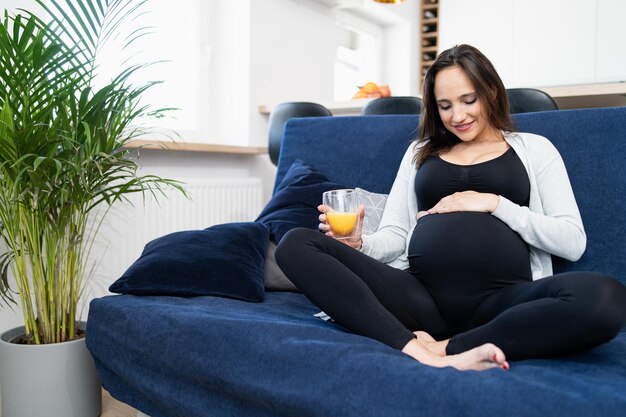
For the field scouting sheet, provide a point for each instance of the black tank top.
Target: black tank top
(504, 175)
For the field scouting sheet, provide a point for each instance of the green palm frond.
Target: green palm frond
(62, 150)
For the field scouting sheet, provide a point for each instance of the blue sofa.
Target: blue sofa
(216, 356)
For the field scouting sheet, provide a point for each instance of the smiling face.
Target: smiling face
(460, 108)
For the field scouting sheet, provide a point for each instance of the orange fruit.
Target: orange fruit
(370, 87)
(384, 91)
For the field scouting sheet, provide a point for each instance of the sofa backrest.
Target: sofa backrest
(362, 151)
(592, 143)
(365, 151)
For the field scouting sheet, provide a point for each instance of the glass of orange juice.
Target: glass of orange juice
(342, 212)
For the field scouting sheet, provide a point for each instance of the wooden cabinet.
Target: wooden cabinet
(429, 35)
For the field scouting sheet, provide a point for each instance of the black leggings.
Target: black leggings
(562, 314)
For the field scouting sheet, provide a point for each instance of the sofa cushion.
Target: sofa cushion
(275, 279)
(295, 200)
(374, 207)
(224, 260)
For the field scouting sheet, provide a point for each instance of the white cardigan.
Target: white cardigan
(550, 225)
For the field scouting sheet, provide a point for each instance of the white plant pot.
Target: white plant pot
(54, 380)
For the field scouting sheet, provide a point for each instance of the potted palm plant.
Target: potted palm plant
(62, 159)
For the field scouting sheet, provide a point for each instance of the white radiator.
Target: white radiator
(128, 228)
(210, 202)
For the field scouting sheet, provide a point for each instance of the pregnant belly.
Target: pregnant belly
(470, 250)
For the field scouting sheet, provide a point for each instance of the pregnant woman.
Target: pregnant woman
(459, 272)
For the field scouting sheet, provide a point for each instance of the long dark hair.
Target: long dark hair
(482, 74)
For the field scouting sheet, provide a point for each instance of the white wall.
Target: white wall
(13, 5)
(610, 36)
(485, 24)
(292, 52)
(401, 50)
(292, 57)
(538, 43)
(229, 95)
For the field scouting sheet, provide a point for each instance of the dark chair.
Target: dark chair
(279, 116)
(526, 100)
(393, 105)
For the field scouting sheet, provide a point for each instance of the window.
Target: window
(357, 58)
(177, 41)
(182, 42)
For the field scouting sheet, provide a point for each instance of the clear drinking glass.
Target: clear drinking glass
(342, 212)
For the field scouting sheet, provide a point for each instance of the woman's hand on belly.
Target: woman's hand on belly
(465, 201)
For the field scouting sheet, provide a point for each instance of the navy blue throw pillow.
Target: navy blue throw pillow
(295, 200)
(225, 260)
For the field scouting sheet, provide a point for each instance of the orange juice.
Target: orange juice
(341, 223)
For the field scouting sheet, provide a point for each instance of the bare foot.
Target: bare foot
(483, 357)
(436, 347)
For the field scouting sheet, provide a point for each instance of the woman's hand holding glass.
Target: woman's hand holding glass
(342, 217)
